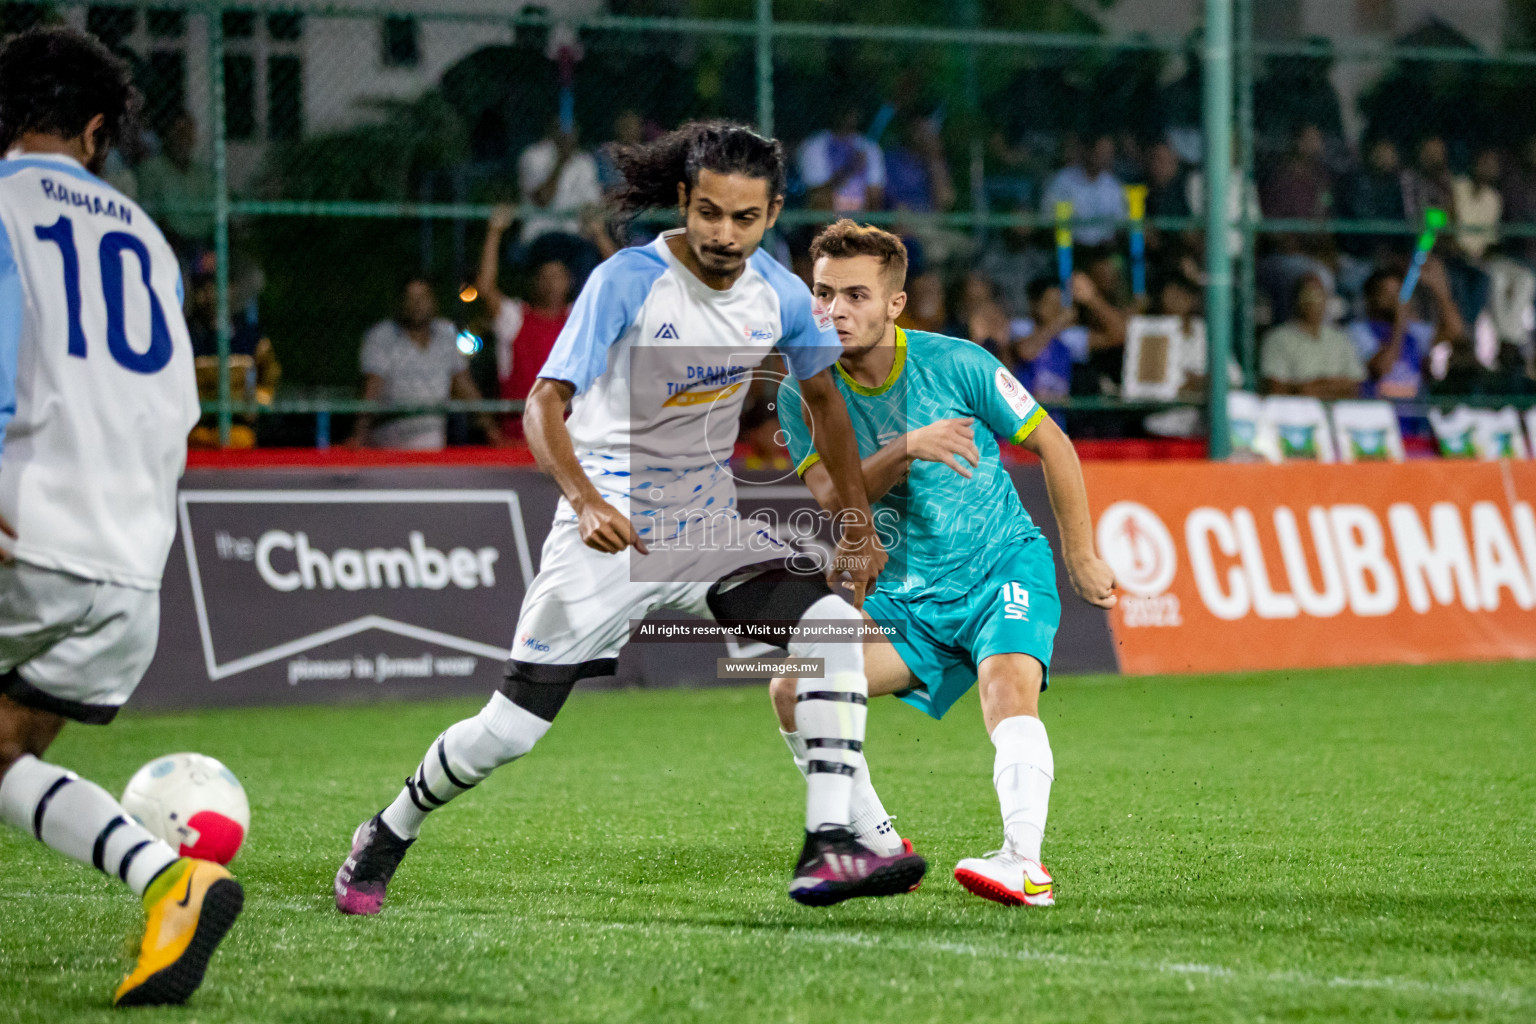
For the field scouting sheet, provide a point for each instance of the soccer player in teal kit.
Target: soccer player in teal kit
(970, 585)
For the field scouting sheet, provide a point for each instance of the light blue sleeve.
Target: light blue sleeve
(808, 342)
(607, 306)
(11, 305)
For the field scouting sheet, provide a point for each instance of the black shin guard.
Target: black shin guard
(542, 689)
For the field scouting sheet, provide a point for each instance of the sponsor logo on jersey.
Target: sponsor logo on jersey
(533, 645)
(823, 320)
(667, 331)
(1013, 393)
(701, 396)
(757, 333)
(706, 384)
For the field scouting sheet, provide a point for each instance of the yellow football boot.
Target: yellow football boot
(191, 907)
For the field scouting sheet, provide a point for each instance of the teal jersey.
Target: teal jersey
(943, 531)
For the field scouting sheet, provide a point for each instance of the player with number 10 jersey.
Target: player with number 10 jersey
(97, 395)
(95, 372)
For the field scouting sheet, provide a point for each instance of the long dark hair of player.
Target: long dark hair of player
(54, 80)
(651, 172)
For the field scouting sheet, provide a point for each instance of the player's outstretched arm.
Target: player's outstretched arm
(882, 471)
(947, 441)
(602, 526)
(859, 552)
(1091, 576)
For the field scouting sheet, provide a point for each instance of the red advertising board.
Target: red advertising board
(1231, 567)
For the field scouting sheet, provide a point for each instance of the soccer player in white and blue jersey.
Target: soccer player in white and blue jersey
(97, 394)
(655, 363)
(971, 584)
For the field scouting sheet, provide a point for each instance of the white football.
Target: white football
(192, 802)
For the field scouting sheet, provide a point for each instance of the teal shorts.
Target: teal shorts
(1012, 609)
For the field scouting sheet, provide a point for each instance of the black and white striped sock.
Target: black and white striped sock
(870, 822)
(460, 758)
(81, 820)
(829, 716)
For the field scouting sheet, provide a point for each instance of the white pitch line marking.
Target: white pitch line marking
(1478, 990)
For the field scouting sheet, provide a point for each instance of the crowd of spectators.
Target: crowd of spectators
(1328, 320)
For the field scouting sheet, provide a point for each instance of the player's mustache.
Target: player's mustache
(714, 250)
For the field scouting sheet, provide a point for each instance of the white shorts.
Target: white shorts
(73, 646)
(579, 608)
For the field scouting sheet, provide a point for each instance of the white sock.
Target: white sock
(1022, 773)
(870, 822)
(830, 714)
(460, 758)
(81, 820)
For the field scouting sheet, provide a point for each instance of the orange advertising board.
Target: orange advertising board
(1231, 567)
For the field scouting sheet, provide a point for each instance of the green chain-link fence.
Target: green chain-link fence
(310, 157)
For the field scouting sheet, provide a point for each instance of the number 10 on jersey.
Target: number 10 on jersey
(110, 258)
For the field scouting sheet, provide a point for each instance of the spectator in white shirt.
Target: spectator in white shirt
(1478, 205)
(843, 170)
(1092, 189)
(414, 358)
(558, 180)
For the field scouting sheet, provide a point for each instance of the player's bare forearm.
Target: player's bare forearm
(1091, 577)
(1064, 484)
(835, 442)
(882, 471)
(950, 441)
(859, 551)
(550, 442)
(603, 527)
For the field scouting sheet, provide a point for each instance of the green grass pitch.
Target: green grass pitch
(1306, 846)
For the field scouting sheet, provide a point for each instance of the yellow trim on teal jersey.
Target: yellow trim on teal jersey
(896, 365)
(1030, 424)
(806, 463)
